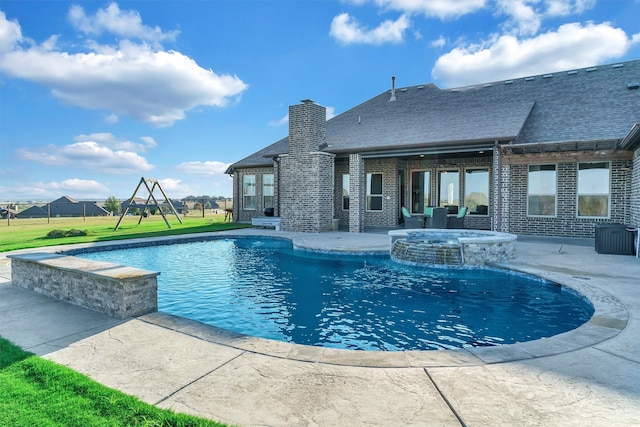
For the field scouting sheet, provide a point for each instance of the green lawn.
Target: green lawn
(32, 233)
(38, 392)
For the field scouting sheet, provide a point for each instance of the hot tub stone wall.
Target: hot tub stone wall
(452, 247)
(116, 290)
(483, 253)
(427, 253)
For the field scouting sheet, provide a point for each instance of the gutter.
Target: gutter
(436, 147)
(632, 140)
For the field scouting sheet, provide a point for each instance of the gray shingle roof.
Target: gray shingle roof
(591, 104)
(64, 206)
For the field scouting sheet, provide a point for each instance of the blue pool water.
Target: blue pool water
(265, 288)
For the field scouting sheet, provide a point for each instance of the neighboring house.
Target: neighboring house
(178, 205)
(135, 203)
(549, 155)
(140, 203)
(64, 207)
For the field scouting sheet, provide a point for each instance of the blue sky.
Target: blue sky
(94, 95)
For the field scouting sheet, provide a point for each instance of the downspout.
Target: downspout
(235, 210)
(276, 159)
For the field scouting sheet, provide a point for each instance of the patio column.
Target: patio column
(356, 193)
(501, 183)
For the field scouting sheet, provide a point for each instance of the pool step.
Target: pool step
(431, 253)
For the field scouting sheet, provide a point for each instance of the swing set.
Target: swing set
(151, 202)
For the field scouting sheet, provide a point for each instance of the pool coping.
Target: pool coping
(609, 319)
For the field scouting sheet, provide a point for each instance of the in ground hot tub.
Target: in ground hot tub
(451, 247)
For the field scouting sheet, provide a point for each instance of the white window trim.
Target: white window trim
(273, 187)
(255, 197)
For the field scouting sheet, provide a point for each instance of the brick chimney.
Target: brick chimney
(307, 173)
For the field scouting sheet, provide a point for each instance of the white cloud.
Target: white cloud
(281, 122)
(151, 85)
(127, 24)
(203, 168)
(78, 186)
(149, 141)
(96, 155)
(10, 33)
(567, 7)
(526, 16)
(110, 140)
(346, 29)
(442, 9)
(523, 16)
(571, 46)
(171, 185)
(112, 119)
(331, 112)
(214, 185)
(79, 189)
(439, 42)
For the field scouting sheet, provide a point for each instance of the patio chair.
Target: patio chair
(411, 221)
(458, 220)
(438, 218)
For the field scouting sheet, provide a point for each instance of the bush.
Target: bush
(75, 233)
(57, 234)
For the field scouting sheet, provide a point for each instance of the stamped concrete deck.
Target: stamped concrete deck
(586, 377)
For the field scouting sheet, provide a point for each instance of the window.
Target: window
(449, 190)
(541, 190)
(249, 192)
(594, 189)
(476, 191)
(420, 195)
(267, 190)
(345, 192)
(374, 191)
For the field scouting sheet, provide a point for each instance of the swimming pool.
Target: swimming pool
(263, 287)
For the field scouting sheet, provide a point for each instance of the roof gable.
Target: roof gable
(65, 199)
(33, 212)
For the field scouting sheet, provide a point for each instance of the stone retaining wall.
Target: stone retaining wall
(116, 290)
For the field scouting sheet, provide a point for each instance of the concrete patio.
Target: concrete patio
(586, 377)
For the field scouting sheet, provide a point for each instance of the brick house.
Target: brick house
(549, 155)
